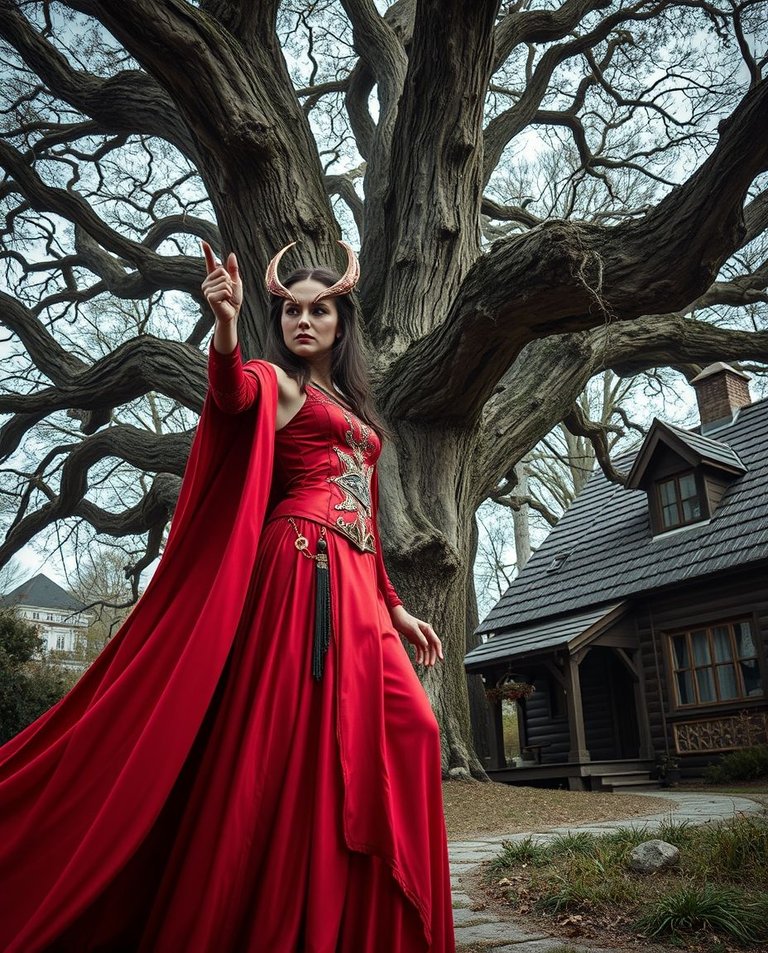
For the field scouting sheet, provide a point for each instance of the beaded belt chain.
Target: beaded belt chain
(322, 635)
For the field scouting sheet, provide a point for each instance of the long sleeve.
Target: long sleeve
(232, 388)
(385, 585)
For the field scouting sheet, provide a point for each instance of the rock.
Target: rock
(653, 855)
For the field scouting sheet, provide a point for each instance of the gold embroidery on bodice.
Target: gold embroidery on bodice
(355, 482)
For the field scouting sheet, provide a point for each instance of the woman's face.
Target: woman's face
(309, 331)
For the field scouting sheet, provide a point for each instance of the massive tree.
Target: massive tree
(398, 130)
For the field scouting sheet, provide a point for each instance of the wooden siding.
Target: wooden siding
(539, 725)
(726, 597)
(714, 485)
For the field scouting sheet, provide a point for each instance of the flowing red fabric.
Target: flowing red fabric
(197, 790)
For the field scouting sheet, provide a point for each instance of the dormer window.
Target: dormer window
(684, 474)
(679, 501)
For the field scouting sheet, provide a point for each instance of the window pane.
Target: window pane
(750, 672)
(687, 487)
(669, 515)
(685, 688)
(745, 643)
(667, 489)
(680, 649)
(700, 648)
(691, 509)
(722, 643)
(726, 676)
(706, 684)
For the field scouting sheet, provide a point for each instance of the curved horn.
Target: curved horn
(347, 281)
(274, 285)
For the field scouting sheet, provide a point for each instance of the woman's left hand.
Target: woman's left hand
(419, 633)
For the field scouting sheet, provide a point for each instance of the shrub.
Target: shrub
(27, 687)
(747, 764)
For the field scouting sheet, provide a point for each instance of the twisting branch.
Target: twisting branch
(138, 447)
(129, 102)
(516, 502)
(343, 186)
(143, 364)
(540, 26)
(508, 124)
(596, 433)
(509, 213)
(161, 272)
(585, 276)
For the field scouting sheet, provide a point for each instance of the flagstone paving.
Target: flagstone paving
(482, 928)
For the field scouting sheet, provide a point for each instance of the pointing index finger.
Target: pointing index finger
(210, 258)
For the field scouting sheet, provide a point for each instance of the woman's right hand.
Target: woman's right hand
(222, 287)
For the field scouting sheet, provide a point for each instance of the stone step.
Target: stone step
(637, 785)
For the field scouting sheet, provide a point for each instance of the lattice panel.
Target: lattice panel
(721, 734)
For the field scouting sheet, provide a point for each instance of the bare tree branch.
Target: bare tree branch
(540, 26)
(129, 102)
(595, 432)
(595, 274)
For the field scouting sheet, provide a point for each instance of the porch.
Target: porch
(586, 725)
(580, 776)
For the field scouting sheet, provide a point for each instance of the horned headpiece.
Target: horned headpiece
(343, 286)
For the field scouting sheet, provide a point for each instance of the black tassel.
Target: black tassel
(322, 609)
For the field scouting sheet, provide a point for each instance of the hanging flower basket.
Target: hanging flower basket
(510, 691)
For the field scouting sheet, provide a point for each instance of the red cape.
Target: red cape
(70, 815)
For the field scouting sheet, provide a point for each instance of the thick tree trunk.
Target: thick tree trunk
(427, 508)
(479, 710)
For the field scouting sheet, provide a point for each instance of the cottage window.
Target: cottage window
(714, 664)
(679, 501)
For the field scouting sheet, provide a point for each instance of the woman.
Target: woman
(251, 764)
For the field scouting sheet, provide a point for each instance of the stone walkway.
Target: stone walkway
(482, 928)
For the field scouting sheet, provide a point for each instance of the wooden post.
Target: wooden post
(496, 728)
(578, 752)
(634, 667)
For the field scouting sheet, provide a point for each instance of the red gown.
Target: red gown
(199, 790)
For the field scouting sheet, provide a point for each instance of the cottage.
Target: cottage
(642, 620)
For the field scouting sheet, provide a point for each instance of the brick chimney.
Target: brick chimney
(721, 391)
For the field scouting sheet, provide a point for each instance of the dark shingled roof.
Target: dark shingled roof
(41, 592)
(610, 553)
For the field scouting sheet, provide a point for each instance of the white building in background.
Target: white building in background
(61, 619)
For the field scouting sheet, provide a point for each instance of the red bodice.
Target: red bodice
(323, 470)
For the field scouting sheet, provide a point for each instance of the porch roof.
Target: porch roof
(546, 635)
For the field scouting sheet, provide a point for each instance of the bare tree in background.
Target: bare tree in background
(186, 121)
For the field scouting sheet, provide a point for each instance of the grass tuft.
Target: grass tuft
(519, 853)
(696, 908)
(578, 843)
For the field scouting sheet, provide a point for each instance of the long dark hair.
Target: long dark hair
(348, 358)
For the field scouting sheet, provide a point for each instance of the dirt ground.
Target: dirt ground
(475, 807)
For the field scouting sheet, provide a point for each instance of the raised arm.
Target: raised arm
(233, 388)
